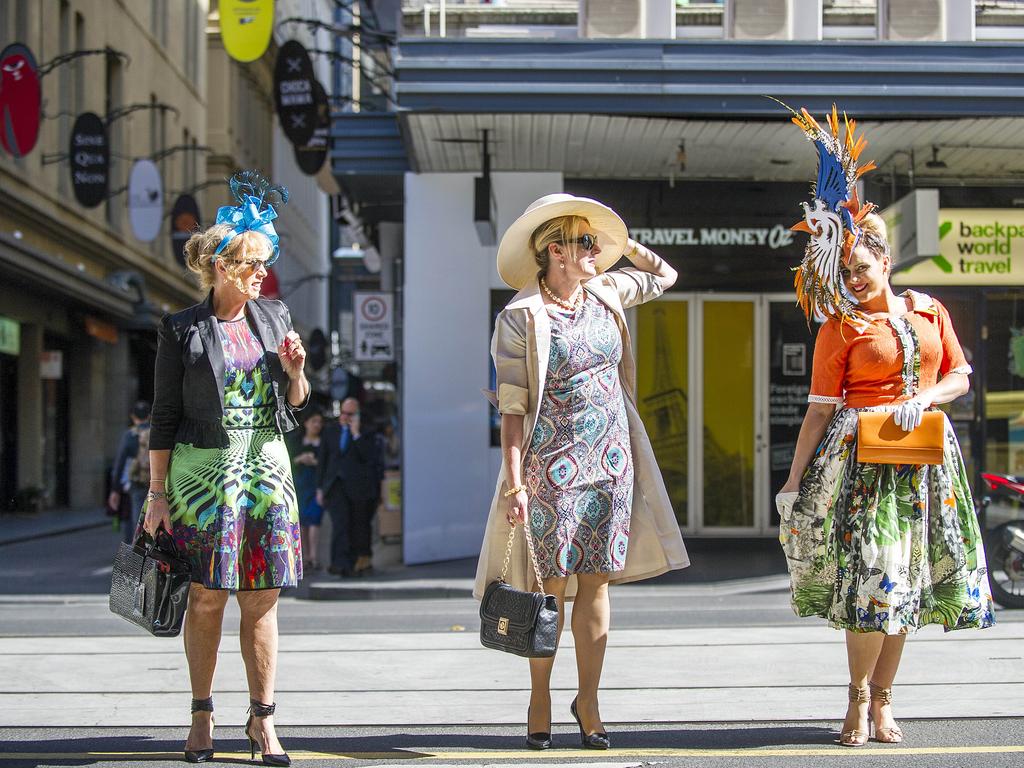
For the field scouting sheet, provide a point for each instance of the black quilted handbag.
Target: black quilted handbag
(149, 585)
(523, 623)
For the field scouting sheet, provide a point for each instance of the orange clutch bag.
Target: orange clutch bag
(880, 440)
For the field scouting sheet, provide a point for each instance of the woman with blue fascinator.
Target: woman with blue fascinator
(229, 382)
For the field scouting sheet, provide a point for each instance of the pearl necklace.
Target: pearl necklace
(569, 305)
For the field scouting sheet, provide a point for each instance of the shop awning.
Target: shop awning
(708, 79)
(45, 275)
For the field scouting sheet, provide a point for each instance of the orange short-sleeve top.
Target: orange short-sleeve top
(867, 368)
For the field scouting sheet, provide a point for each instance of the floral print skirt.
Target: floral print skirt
(882, 547)
(234, 512)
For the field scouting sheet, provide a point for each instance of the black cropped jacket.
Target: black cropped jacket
(188, 399)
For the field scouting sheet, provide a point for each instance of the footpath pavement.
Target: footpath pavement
(701, 670)
(18, 527)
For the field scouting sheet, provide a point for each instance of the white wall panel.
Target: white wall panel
(449, 467)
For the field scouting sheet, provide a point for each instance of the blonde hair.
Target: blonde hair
(563, 229)
(875, 235)
(200, 255)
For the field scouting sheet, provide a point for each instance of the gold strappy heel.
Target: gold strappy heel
(855, 737)
(893, 734)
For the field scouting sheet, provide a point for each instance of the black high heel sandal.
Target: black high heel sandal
(538, 740)
(256, 709)
(590, 740)
(200, 755)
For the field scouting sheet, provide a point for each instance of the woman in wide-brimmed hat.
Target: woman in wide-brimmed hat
(578, 468)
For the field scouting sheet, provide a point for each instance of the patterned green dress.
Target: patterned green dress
(884, 547)
(233, 510)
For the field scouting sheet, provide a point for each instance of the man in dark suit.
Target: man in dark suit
(350, 468)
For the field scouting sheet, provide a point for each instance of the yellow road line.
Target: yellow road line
(525, 755)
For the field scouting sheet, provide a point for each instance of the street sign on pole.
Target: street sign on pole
(374, 327)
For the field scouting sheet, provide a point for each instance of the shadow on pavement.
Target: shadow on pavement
(406, 746)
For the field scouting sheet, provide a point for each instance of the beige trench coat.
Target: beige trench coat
(519, 347)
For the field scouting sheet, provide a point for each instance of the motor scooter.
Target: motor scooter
(1004, 539)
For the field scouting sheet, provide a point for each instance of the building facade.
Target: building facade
(80, 292)
(659, 110)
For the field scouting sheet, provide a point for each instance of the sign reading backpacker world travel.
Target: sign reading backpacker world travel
(89, 153)
(374, 332)
(977, 246)
(293, 93)
(20, 100)
(245, 27)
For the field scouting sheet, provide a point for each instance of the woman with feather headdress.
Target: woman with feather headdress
(229, 381)
(877, 549)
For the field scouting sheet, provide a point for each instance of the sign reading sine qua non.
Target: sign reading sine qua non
(293, 92)
(89, 153)
(374, 332)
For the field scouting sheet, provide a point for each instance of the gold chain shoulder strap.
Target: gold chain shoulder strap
(529, 548)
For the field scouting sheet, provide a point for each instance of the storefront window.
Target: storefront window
(663, 392)
(1004, 376)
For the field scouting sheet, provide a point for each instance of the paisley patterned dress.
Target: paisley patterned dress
(578, 468)
(884, 547)
(233, 510)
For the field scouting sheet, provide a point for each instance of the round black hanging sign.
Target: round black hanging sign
(311, 155)
(293, 92)
(90, 159)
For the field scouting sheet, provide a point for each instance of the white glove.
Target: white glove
(909, 414)
(784, 503)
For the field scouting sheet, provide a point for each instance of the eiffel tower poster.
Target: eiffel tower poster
(663, 404)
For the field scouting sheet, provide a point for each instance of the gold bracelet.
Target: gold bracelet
(514, 491)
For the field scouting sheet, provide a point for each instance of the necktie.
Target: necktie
(346, 438)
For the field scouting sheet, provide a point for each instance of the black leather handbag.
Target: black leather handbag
(523, 623)
(149, 585)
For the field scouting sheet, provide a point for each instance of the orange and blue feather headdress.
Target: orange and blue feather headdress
(832, 219)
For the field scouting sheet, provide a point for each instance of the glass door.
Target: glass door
(727, 464)
(788, 353)
(722, 383)
(663, 366)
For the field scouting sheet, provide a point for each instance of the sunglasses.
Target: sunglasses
(587, 241)
(255, 264)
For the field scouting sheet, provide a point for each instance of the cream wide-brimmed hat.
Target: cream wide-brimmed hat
(516, 264)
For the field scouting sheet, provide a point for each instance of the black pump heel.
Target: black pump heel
(256, 709)
(200, 755)
(538, 740)
(590, 740)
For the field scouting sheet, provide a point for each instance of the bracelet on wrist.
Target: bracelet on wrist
(155, 495)
(514, 491)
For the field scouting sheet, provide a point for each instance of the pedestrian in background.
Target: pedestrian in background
(572, 440)
(879, 550)
(130, 473)
(351, 466)
(304, 471)
(229, 380)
